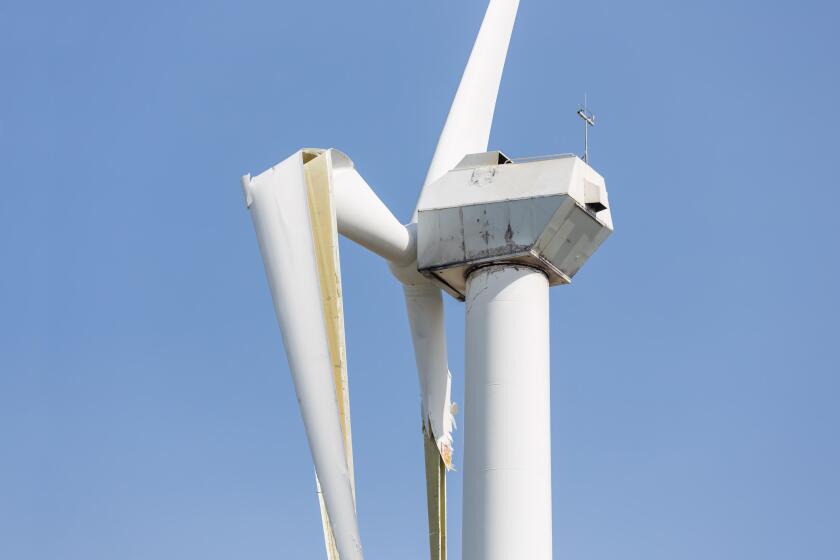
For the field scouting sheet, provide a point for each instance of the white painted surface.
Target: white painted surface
(424, 304)
(533, 178)
(277, 200)
(364, 218)
(507, 439)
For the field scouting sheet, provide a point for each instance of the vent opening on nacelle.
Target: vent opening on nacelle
(595, 207)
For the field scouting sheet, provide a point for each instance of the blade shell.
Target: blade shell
(424, 304)
(286, 228)
(364, 218)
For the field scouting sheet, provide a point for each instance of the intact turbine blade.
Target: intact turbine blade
(293, 213)
(362, 217)
(467, 128)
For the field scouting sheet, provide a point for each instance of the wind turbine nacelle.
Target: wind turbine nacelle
(549, 213)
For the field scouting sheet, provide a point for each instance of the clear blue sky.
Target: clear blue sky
(146, 410)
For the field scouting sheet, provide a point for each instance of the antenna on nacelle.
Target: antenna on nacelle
(588, 120)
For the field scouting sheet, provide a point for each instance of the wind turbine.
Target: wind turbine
(490, 231)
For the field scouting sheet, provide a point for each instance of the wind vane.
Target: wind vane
(588, 120)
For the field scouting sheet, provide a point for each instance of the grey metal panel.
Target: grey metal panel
(440, 238)
(453, 280)
(574, 241)
(531, 216)
(485, 227)
(550, 230)
(555, 225)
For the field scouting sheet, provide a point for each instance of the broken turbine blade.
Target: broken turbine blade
(294, 219)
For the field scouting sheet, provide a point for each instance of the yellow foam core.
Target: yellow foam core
(325, 235)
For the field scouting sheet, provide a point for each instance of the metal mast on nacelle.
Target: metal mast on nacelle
(588, 120)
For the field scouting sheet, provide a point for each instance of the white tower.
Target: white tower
(497, 233)
(490, 231)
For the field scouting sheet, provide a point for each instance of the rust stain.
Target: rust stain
(509, 235)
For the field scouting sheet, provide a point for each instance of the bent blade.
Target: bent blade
(293, 220)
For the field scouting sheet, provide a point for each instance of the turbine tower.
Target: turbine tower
(493, 232)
